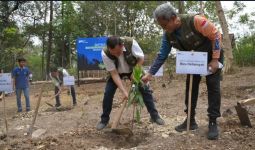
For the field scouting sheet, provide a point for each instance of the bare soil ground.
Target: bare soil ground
(74, 128)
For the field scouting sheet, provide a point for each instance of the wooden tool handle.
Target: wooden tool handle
(118, 115)
(189, 101)
(1, 95)
(247, 101)
(36, 111)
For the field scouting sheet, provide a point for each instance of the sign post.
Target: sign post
(69, 81)
(191, 63)
(5, 86)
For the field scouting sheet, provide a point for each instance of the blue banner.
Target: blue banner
(89, 53)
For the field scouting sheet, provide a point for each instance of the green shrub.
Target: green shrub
(35, 64)
(245, 54)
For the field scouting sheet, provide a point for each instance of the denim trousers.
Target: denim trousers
(109, 93)
(26, 94)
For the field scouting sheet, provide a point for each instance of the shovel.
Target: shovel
(121, 131)
(30, 130)
(51, 105)
(242, 112)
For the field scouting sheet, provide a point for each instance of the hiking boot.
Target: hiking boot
(101, 125)
(183, 126)
(158, 121)
(213, 132)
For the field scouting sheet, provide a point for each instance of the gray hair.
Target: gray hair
(166, 11)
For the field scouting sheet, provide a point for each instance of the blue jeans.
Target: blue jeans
(26, 94)
(110, 90)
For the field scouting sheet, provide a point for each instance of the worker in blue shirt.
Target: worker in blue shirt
(20, 77)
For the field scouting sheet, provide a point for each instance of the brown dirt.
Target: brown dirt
(75, 128)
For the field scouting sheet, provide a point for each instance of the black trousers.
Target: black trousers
(58, 97)
(109, 93)
(214, 94)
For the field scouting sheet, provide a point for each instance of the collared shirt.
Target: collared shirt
(123, 67)
(21, 76)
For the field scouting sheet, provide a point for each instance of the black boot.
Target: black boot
(213, 132)
(183, 126)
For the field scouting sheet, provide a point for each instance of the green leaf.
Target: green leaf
(137, 73)
(130, 98)
(138, 117)
(140, 99)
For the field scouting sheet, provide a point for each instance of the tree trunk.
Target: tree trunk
(181, 7)
(201, 9)
(127, 12)
(63, 37)
(226, 40)
(43, 42)
(50, 39)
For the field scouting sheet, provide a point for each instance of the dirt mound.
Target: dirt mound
(74, 127)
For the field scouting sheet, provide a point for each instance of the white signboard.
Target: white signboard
(6, 82)
(191, 62)
(158, 74)
(69, 80)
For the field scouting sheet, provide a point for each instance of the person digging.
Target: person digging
(120, 55)
(56, 75)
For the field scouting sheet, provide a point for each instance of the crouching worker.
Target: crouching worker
(119, 57)
(57, 75)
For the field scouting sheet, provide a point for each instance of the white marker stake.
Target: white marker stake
(71, 96)
(190, 62)
(189, 101)
(5, 117)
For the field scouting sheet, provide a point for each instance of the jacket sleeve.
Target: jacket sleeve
(162, 55)
(208, 29)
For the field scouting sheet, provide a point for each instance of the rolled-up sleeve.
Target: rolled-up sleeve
(162, 55)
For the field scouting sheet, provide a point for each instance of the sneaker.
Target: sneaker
(101, 125)
(183, 127)
(158, 121)
(58, 107)
(213, 132)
